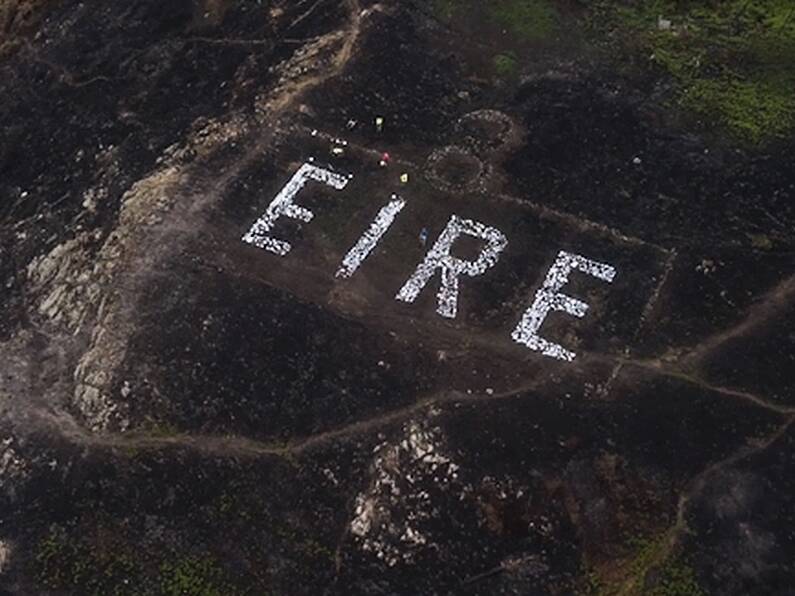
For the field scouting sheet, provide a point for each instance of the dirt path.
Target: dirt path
(107, 282)
(694, 488)
(349, 37)
(237, 446)
(634, 578)
(655, 366)
(698, 483)
(775, 300)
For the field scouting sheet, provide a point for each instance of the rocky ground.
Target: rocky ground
(184, 413)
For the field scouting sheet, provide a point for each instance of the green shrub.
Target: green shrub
(505, 65)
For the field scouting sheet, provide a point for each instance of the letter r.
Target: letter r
(439, 257)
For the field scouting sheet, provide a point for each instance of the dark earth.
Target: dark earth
(182, 413)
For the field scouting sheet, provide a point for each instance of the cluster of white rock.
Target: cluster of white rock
(76, 283)
(439, 258)
(284, 205)
(390, 516)
(477, 176)
(549, 299)
(13, 468)
(362, 249)
(5, 555)
(451, 267)
(499, 133)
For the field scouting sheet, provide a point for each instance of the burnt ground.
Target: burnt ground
(184, 413)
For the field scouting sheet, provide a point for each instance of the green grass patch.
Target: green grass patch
(66, 560)
(677, 579)
(526, 20)
(446, 9)
(650, 569)
(732, 60)
(753, 109)
(195, 576)
(506, 66)
(529, 20)
(63, 563)
(161, 429)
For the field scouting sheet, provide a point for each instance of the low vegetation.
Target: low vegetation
(731, 61)
(526, 20)
(649, 569)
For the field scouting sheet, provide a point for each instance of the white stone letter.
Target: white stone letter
(549, 299)
(283, 204)
(371, 237)
(439, 258)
